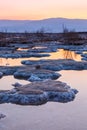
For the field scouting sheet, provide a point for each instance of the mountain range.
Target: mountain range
(48, 25)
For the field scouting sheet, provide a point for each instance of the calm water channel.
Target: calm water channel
(51, 116)
(61, 54)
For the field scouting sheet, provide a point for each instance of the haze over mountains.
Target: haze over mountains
(49, 25)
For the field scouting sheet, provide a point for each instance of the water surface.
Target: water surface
(51, 116)
(7, 81)
(61, 54)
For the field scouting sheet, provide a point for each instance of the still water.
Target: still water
(51, 116)
(7, 81)
(61, 54)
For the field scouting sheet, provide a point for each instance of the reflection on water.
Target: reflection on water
(39, 47)
(51, 116)
(76, 79)
(7, 81)
(65, 54)
(11, 62)
(85, 52)
(22, 49)
(61, 54)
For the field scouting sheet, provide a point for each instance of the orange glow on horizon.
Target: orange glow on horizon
(42, 9)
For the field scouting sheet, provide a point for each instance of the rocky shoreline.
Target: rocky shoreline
(57, 65)
(44, 86)
(41, 73)
(41, 69)
(28, 73)
(38, 93)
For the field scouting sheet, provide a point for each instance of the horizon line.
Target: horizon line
(43, 19)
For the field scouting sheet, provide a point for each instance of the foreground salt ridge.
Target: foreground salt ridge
(46, 69)
(23, 96)
(38, 93)
(57, 65)
(30, 73)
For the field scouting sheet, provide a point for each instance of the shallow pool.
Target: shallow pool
(7, 81)
(51, 116)
(60, 54)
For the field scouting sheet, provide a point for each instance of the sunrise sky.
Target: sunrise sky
(40, 9)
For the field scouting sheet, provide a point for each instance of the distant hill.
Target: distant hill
(49, 25)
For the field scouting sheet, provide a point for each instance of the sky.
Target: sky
(42, 9)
